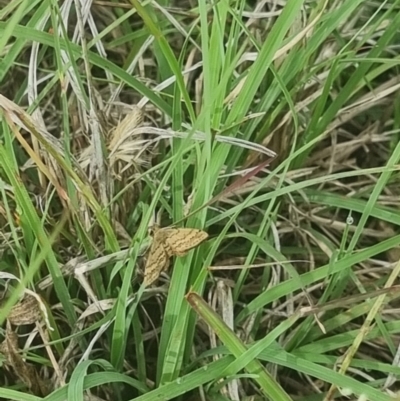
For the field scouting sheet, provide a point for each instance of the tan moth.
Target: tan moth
(168, 242)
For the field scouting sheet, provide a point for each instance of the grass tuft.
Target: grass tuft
(272, 126)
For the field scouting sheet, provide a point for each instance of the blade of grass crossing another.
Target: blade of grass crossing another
(31, 218)
(311, 277)
(12, 24)
(346, 92)
(173, 307)
(168, 54)
(259, 68)
(373, 198)
(271, 389)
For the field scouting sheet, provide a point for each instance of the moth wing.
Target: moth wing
(157, 261)
(160, 237)
(182, 240)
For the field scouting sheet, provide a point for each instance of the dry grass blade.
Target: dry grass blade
(281, 52)
(222, 302)
(391, 292)
(16, 115)
(14, 361)
(365, 328)
(124, 129)
(169, 242)
(126, 145)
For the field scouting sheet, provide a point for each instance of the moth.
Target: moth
(168, 242)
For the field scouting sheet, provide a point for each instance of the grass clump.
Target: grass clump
(271, 126)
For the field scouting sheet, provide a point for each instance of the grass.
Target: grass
(124, 114)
